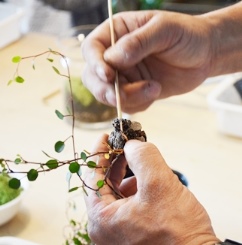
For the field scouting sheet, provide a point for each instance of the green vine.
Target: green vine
(75, 165)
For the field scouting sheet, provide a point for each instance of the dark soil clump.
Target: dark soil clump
(131, 130)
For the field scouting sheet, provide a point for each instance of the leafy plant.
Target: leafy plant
(76, 230)
(80, 159)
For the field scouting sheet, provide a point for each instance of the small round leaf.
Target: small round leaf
(74, 167)
(59, 146)
(19, 79)
(17, 160)
(52, 164)
(83, 156)
(100, 183)
(32, 174)
(59, 114)
(16, 59)
(91, 164)
(14, 183)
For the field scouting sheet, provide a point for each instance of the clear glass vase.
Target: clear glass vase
(89, 113)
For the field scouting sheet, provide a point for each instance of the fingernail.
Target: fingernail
(152, 90)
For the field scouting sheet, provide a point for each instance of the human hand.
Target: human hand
(156, 208)
(157, 54)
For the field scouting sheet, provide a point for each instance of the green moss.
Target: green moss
(6, 193)
(81, 93)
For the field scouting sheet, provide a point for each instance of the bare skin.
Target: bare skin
(156, 208)
(160, 54)
(157, 54)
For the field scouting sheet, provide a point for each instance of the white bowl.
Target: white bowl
(11, 208)
(10, 23)
(8, 240)
(226, 101)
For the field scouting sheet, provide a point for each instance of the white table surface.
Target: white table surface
(183, 128)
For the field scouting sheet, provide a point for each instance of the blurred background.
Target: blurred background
(55, 16)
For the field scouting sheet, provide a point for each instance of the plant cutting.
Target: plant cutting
(80, 159)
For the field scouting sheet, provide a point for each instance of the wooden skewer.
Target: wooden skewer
(117, 92)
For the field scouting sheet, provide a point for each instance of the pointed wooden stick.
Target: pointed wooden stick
(117, 92)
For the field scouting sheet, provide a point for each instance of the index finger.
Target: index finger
(99, 40)
(93, 48)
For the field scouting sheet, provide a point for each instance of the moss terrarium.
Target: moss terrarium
(87, 109)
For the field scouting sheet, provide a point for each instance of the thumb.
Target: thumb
(147, 164)
(155, 180)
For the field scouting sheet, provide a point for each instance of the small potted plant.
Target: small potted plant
(10, 199)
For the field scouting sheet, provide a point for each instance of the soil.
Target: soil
(131, 130)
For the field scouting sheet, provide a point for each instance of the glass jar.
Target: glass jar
(89, 113)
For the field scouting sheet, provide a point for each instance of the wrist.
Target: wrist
(226, 36)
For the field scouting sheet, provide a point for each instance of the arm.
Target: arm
(160, 54)
(156, 208)
(226, 25)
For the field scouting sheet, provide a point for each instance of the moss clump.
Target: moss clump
(6, 193)
(81, 93)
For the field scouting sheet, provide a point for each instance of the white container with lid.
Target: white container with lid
(226, 101)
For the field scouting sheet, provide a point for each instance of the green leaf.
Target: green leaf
(46, 154)
(73, 189)
(10, 82)
(59, 146)
(32, 174)
(91, 164)
(16, 59)
(1, 162)
(83, 156)
(52, 164)
(14, 183)
(19, 79)
(59, 114)
(76, 241)
(18, 160)
(73, 222)
(56, 70)
(85, 237)
(50, 60)
(74, 167)
(100, 183)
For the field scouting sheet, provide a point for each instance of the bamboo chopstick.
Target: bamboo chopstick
(117, 92)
